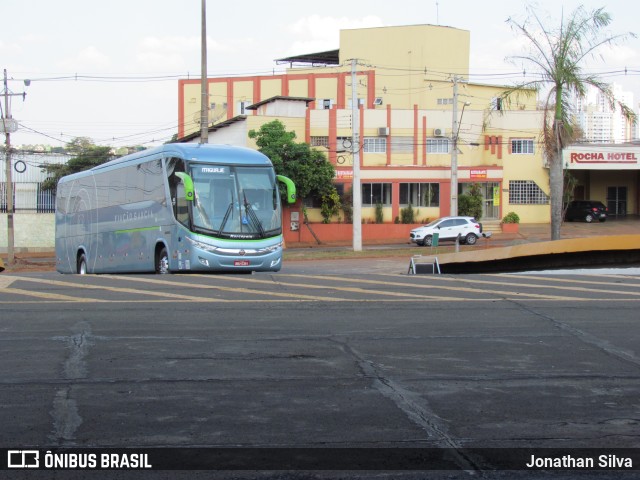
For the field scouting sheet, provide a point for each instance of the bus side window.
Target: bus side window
(181, 207)
(176, 190)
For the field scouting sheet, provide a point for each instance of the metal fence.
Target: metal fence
(27, 176)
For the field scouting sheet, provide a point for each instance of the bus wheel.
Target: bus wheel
(82, 264)
(162, 262)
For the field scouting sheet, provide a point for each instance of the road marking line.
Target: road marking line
(5, 282)
(432, 286)
(228, 289)
(341, 289)
(577, 281)
(559, 287)
(49, 296)
(131, 291)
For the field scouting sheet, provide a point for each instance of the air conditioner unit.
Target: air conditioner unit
(383, 131)
(439, 132)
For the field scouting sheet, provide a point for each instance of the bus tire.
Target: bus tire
(162, 262)
(82, 264)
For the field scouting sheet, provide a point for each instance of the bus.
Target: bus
(174, 208)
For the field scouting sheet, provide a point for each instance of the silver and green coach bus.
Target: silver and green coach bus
(175, 208)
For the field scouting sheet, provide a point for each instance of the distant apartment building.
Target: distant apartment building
(599, 122)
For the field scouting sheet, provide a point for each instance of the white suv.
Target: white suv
(468, 229)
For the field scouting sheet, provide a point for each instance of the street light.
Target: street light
(455, 132)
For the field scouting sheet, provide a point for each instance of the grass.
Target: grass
(337, 253)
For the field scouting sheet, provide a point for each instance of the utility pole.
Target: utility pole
(454, 150)
(455, 136)
(204, 85)
(8, 125)
(355, 149)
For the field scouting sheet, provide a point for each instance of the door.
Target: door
(617, 201)
(490, 210)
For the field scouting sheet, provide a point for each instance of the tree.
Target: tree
(309, 169)
(557, 56)
(86, 155)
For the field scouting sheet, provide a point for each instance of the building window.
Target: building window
(522, 146)
(324, 103)
(242, 107)
(420, 194)
(402, 144)
(445, 101)
(320, 142)
(437, 145)
(526, 192)
(361, 102)
(375, 145)
(375, 193)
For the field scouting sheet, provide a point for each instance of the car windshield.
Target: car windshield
(233, 201)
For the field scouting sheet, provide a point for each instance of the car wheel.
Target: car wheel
(588, 218)
(471, 239)
(428, 241)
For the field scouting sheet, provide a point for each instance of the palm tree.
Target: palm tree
(557, 56)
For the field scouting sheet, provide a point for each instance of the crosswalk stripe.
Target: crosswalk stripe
(229, 289)
(431, 286)
(342, 289)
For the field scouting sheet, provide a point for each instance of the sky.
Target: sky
(109, 70)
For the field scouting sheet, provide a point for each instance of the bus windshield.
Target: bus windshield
(235, 201)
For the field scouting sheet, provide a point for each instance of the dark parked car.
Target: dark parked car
(587, 210)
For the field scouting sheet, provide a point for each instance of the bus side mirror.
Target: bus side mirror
(189, 194)
(291, 188)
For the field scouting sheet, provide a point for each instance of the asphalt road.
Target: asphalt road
(344, 354)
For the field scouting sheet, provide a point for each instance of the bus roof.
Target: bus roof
(225, 154)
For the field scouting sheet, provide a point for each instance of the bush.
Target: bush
(511, 217)
(379, 213)
(470, 204)
(407, 215)
(330, 205)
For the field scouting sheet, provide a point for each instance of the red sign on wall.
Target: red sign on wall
(478, 173)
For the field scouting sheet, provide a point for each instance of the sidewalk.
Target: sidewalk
(528, 233)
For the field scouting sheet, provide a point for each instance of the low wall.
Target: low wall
(342, 233)
(33, 232)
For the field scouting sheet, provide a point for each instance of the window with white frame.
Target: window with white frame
(402, 144)
(241, 107)
(438, 145)
(522, 146)
(375, 145)
(420, 194)
(361, 103)
(320, 141)
(526, 192)
(324, 103)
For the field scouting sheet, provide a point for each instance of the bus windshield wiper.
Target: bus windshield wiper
(252, 215)
(225, 218)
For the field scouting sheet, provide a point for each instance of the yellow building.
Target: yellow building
(408, 79)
